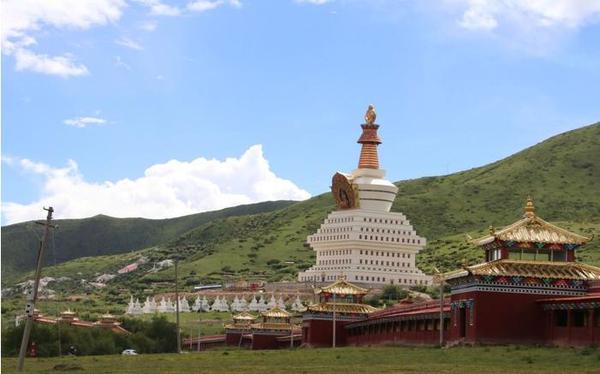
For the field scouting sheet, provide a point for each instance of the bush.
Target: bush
(155, 336)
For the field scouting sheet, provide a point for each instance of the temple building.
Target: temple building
(530, 290)
(68, 317)
(242, 325)
(362, 238)
(339, 304)
(274, 331)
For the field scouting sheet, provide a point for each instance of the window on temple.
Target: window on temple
(580, 318)
(561, 318)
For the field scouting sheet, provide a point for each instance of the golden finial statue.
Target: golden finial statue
(529, 208)
(370, 116)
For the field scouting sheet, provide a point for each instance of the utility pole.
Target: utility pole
(177, 305)
(441, 282)
(333, 342)
(32, 293)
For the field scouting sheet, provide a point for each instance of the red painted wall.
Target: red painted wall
(502, 318)
(319, 333)
(387, 335)
(571, 335)
(264, 341)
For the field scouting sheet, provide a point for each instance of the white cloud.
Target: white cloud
(315, 2)
(170, 189)
(148, 26)
(82, 122)
(63, 66)
(21, 18)
(489, 14)
(129, 43)
(204, 5)
(158, 8)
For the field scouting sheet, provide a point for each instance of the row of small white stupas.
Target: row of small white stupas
(239, 304)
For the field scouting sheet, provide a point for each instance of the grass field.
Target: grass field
(501, 359)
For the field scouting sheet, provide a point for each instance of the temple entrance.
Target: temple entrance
(462, 322)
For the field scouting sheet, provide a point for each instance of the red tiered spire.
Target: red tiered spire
(369, 140)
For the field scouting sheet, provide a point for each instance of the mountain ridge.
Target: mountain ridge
(562, 173)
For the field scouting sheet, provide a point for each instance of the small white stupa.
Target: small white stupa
(205, 306)
(243, 304)
(297, 306)
(235, 304)
(197, 304)
(137, 308)
(281, 303)
(130, 305)
(253, 304)
(170, 306)
(272, 303)
(184, 306)
(149, 306)
(262, 304)
(162, 306)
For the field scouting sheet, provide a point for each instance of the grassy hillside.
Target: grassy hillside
(103, 235)
(561, 173)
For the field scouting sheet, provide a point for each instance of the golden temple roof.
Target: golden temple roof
(536, 269)
(276, 313)
(533, 229)
(343, 287)
(244, 316)
(342, 308)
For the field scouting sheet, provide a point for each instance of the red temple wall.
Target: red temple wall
(319, 333)
(232, 338)
(391, 334)
(265, 341)
(501, 318)
(571, 335)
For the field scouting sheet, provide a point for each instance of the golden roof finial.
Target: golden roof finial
(529, 208)
(492, 230)
(370, 116)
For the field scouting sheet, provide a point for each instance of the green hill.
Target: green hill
(103, 235)
(561, 173)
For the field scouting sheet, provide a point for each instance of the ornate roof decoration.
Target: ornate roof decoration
(244, 316)
(273, 326)
(276, 313)
(343, 287)
(342, 308)
(535, 269)
(532, 229)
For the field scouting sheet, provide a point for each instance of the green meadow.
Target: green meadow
(497, 359)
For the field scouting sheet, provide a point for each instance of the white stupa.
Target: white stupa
(297, 306)
(235, 304)
(170, 306)
(148, 306)
(184, 306)
(130, 306)
(243, 304)
(272, 303)
(253, 306)
(162, 306)
(262, 304)
(281, 303)
(204, 305)
(362, 239)
(197, 304)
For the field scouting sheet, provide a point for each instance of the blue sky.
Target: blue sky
(155, 109)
